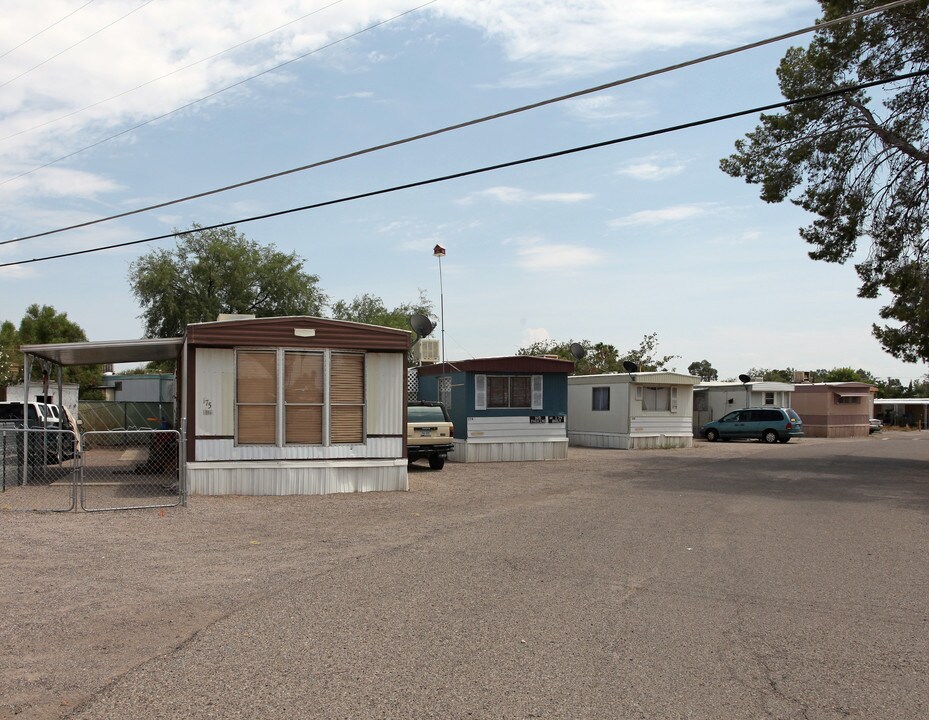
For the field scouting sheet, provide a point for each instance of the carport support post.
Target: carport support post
(27, 373)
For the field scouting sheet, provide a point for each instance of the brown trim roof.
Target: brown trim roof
(513, 363)
(294, 331)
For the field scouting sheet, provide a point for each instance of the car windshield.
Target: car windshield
(425, 413)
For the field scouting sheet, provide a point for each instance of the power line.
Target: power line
(71, 47)
(224, 89)
(46, 29)
(487, 168)
(166, 75)
(457, 126)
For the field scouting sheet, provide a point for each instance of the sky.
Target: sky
(109, 106)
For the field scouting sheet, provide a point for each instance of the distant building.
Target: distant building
(631, 411)
(839, 409)
(154, 387)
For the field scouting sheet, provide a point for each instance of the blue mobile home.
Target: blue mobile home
(505, 408)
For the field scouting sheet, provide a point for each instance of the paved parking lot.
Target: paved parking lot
(733, 580)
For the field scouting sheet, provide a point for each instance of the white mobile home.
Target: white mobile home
(712, 400)
(631, 411)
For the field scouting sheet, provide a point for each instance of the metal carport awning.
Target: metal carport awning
(109, 351)
(853, 393)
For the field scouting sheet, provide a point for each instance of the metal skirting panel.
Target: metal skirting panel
(225, 449)
(283, 478)
(835, 431)
(630, 442)
(506, 451)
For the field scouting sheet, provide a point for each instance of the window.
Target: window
(601, 398)
(445, 391)
(848, 399)
(656, 398)
(508, 391)
(769, 398)
(293, 397)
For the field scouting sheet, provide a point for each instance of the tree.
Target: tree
(42, 325)
(219, 271)
(860, 164)
(371, 309)
(786, 375)
(598, 357)
(645, 355)
(602, 357)
(703, 370)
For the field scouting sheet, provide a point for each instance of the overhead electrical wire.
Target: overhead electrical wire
(222, 90)
(166, 75)
(485, 169)
(71, 47)
(45, 29)
(457, 126)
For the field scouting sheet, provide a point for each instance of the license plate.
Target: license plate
(425, 433)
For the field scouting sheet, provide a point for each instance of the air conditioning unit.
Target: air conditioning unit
(802, 376)
(426, 351)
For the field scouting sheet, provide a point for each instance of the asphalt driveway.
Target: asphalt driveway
(733, 580)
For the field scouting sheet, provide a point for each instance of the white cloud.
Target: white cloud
(674, 213)
(538, 256)
(570, 38)
(512, 195)
(596, 108)
(653, 168)
(362, 95)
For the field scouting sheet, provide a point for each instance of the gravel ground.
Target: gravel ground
(727, 580)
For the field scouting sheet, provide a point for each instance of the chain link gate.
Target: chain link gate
(131, 469)
(37, 469)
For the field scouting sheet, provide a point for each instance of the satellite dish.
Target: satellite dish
(630, 367)
(421, 325)
(578, 351)
(745, 378)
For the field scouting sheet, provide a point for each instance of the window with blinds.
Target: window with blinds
(304, 398)
(346, 398)
(298, 396)
(508, 391)
(256, 397)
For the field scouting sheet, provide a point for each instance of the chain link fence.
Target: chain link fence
(37, 469)
(107, 415)
(130, 469)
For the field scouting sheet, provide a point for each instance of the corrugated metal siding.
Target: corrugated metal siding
(224, 449)
(214, 404)
(384, 381)
(513, 427)
(661, 425)
(626, 442)
(279, 332)
(471, 451)
(296, 478)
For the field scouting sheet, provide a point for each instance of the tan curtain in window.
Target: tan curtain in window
(346, 397)
(256, 397)
(303, 398)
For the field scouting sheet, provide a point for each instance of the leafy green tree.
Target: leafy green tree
(42, 325)
(219, 271)
(859, 163)
(11, 364)
(786, 375)
(703, 370)
(371, 309)
(646, 355)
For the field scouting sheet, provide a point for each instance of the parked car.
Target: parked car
(429, 433)
(59, 442)
(875, 425)
(769, 424)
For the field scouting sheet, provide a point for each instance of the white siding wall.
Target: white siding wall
(581, 416)
(384, 388)
(214, 408)
(513, 428)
